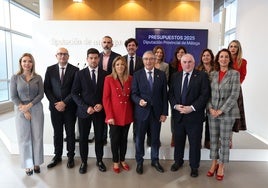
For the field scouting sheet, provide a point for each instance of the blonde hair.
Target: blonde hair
(239, 51)
(32, 60)
(125, 73)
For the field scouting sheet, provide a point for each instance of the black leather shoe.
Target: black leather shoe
(29, 172)
(175, 167)
(70, 163)
(139, 169)
(194, 172)
(158, 167)
(37, 169)
(101, 166)
(54, 162)
(83, 168)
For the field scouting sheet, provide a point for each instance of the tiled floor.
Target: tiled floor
(238, 173)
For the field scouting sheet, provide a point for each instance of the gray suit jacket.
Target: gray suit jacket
(224, 95)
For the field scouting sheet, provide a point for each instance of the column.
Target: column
(46, 9)
(206, 10)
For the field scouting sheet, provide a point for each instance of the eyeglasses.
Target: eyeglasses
(62, 54)
(149, 59)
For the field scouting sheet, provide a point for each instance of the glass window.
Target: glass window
(4, 14)
(21, 20)
(3, 70)
(15, 39)
(22, 45)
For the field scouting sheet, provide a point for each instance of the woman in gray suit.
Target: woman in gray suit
(27, 91)
(223, 110)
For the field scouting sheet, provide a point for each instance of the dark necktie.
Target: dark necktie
(150, 80)
(94, 79)
(131, 65)
(62, 75)
(184, 89)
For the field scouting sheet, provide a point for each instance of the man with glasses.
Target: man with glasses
(149, 94)
(57, 86)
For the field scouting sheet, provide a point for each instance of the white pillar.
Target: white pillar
(46, 9)
(206, 10)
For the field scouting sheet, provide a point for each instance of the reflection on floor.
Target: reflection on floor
(248, 168)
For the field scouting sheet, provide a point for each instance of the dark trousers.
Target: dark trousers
(84, 125)
(207, 134)
(142, 126)
(119, 135)
(67, 120)
(194, 132)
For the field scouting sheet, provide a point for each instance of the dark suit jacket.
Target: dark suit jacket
(138, 62)
(198, 94)
(113, 55)
(56, 92)
(157, 98)
(83, 94)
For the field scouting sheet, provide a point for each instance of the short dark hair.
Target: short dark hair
(93, 51)
(131, 40)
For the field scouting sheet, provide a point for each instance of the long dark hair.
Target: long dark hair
(201, 64)
(217, 64)
(175, 61)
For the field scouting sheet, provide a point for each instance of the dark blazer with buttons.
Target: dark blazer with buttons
(83, 94)
(138, 62)
(55, 91)
(113, 55)
(156, 100)
(198, 93)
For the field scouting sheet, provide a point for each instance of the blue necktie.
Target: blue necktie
(150, 80)
(94, 79)
(131, 65)
(184, 89)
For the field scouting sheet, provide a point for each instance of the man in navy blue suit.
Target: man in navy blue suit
(87, 93)
(149, 93)
(188, 95)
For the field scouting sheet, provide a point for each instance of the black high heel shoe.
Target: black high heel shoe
(29, 172)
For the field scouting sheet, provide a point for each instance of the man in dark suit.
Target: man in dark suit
(87, 93)
(149, 93)
(57, 86)
(134, 63)
(106, 60)
(188, 95)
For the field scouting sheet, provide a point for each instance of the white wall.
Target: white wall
(252, 31)
(78, 36)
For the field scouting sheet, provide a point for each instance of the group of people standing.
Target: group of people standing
(114, 91)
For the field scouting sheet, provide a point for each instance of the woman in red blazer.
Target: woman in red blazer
(240, 64)
(119, 110)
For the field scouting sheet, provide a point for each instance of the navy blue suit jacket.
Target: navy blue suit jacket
(113, 55)
(83, 93)
(198, 93)
(156, 100)
(55, 91)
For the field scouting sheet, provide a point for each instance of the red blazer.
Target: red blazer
(117, 102)
(242, 69)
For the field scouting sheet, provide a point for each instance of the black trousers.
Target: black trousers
(118, 136)
(61, 120)
(194, 132)
(84, 125)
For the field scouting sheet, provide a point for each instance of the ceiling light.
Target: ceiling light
(77, 1)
